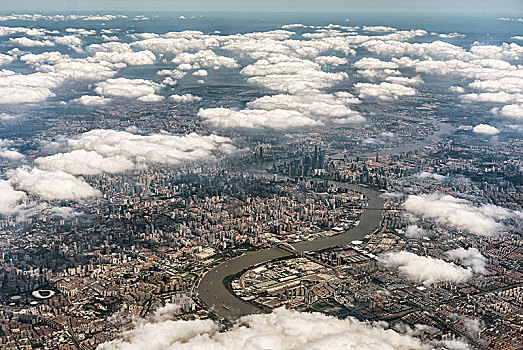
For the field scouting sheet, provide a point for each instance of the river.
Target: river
(211, 289)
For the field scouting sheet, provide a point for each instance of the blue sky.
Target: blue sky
(506, 7)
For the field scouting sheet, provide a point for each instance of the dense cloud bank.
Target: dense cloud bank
(281, 329)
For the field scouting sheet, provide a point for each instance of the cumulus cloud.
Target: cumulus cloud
(186, 98)
(71, 41)
(19, 88)
(281, 329)
(451, 35)
(384, 91)
(6, 59)
(8, 152)
(378, 29)
(469, 258)
(333, 61)
(88, 100)
(27, 42)
(414, 231)
(320, 106)
(290, 75)
(487, 67)
(176, 42)
(151, 98)
(404, 80)
(485, 129)
(203, 59)
(429, 175)
(116, 52)
(200, 73)
(129, 88)
(427, 270)
(50, 185)
(256, 118)
(375, 63)
(483, 220)
(52, 70)
(514, 111)
(11, 198)
(82, 162)
(112, 151)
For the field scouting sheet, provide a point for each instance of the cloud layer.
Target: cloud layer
(281, 329)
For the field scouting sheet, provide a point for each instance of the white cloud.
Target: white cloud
(429, 175)
(427, 270)
(129, 88)
(330, 61)
(176, 74)
(378, 29)
(11, 198)
(53, 69)
(4, 31)
(88, 100)
(200, 73)
(81, 31)
(318, 106)
(50, 184)
(384, 91)
(131, 58)
(177, 42)
(116, 52)
(6, 59)
(377, 74)
(24, 41)
(151, 98)
(459, 213)
(414, 231)
(10, 154)
(290, 75)
(282, 329)
(113, 146)
(204, 59)
(374, 63)
(68, 40)
(19, 88)
(514, 111)
(186, 98)
(404, 80)
(469, 258)
(256, 118)
(82, 162)
(485, 129)
(496, 97)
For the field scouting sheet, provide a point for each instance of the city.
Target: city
(172, 182)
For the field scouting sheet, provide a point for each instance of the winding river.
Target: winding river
(211, 289)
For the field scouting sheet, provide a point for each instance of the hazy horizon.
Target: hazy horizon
(509, 7)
